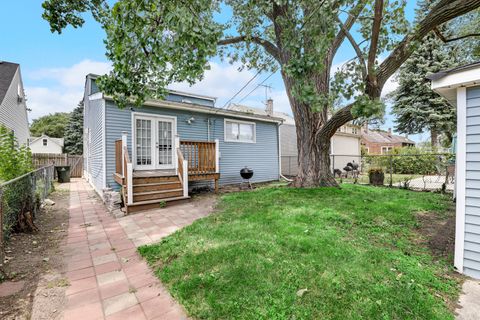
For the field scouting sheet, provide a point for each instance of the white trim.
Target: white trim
(225, 120)
(217, 156)
(95, 96)
(210, 110)
(460, 177)
(154, 118)
(390, 148)
(104, 137)
(124, 145)
(279, 152)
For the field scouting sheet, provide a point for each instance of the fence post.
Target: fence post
(391, 170)
(333, 165)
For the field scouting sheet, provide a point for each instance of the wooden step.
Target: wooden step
(157, 195)
(148, 180)
(158, 186)
(155, 204)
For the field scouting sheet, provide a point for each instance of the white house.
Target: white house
(46, 144)
(461, 86)
(13, 109)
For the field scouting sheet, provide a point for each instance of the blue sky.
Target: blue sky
(54, 66)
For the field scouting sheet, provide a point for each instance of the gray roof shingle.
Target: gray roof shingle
(7, 72)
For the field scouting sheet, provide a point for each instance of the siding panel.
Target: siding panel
(93, 119)
(472, 192)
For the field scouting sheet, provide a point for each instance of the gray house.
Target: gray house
(13, 110)
(158, 152)
(461, 87)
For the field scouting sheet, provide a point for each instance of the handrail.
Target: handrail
(201, 156)
(182, 171)
(128, 175)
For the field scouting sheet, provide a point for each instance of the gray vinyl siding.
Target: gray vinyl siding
(261, 156)
(13, 114)
(472, 191)
(93, 120)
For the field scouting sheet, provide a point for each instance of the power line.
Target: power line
(238, 92)
(258, 85)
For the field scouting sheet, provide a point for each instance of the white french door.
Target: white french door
(154, 142)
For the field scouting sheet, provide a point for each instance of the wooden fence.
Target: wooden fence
(75, 162)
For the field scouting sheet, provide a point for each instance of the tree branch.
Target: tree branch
(356, 47)
(267, 45)
(352, 18)
(337, 120)
(445, 40)
(444, 11)
(376, 28)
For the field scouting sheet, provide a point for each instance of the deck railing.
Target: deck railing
(182, 167)
(202, 156)
(118, 157)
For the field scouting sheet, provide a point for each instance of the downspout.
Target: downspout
(208, 129)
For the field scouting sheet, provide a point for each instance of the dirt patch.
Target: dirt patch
(438, 231)
(37, 261)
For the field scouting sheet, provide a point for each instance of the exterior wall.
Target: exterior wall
(345, 148)
(288, 140)
(261, 156)
(13, 114)
(471, 250)
(51, 147)
(94, 143)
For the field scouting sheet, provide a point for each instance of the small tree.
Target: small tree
(53, 125)
(15, 160)
(74, 132)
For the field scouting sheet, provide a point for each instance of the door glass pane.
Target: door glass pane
(144, 140)
(165, 143)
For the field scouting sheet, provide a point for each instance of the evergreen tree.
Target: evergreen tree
(417, 108)
(74, 131)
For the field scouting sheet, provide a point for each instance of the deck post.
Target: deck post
(185, 178)
(124, 144)
(217, 156)
(129, 183)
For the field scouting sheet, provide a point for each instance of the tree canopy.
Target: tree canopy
(154, 43)
(53, 125)
(74, 132)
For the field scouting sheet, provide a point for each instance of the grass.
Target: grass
(354, 250)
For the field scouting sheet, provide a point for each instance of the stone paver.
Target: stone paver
(108, 279)
(469, 302)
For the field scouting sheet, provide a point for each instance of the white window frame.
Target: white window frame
(225, 120)
(389, 148)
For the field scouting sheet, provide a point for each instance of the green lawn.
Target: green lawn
(354, 249)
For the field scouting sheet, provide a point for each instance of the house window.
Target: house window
(239, 131)
(45, 142)
(354, 130)
(387, 149)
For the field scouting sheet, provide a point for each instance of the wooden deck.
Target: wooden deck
(146, 189)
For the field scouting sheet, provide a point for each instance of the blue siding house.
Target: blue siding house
(460, 86)
(159, 151)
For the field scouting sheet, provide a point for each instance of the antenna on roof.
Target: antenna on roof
(267, 88)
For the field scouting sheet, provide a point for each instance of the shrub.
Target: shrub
(15, 160)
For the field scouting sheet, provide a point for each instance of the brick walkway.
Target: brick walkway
(108, 279)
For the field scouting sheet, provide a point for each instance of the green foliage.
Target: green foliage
(53, 125)
(354, 249)
(15, 160)
(74, 132)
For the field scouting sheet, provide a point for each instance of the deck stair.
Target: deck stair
(151, 189)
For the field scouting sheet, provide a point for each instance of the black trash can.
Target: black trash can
(63, 173)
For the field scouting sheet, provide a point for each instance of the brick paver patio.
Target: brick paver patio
(108, 279)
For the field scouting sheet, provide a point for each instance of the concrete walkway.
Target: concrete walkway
(108, 279)
(469, 303)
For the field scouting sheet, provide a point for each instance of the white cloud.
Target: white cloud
(221, 81)
(390, 86)
(74, 76)
(59, 89)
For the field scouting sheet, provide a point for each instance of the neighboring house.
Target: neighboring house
(46, 144)
(13, 109)
(345, 144)
(215, 144)
(460, 87)
(382, 142)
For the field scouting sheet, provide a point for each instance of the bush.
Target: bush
(414, 160)
(15, 160)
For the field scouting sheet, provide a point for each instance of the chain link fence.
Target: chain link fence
(20, 201)
(422, 172)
